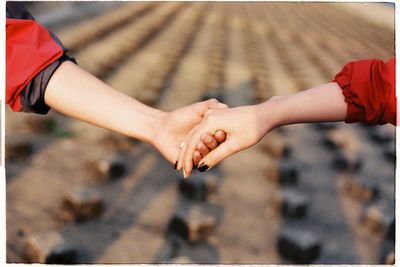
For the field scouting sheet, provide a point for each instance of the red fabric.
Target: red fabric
(29, 49)
(369, 90)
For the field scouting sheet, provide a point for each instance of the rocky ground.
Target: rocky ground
(320, 193)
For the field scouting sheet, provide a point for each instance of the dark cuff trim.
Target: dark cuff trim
(32, 97)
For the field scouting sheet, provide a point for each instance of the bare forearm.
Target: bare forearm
(245, 126)
(319, 104)
(76, 93)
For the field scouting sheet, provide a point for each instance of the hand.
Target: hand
(207, 143)
(244, 127)
(176, 125)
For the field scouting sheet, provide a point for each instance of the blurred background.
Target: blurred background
(315, 193)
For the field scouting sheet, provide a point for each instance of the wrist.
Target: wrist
(147, 122)
(156, 120)
(271, 113)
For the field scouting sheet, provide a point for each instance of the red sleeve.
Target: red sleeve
(29, 49)
(369, 90)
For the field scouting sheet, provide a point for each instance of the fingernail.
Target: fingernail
(203, 167)
(182, 144)
(184, 174)
(176, 165)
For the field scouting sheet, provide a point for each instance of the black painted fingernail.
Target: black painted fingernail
(176, 165)
(202, 167)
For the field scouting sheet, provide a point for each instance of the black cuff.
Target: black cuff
(32, 97)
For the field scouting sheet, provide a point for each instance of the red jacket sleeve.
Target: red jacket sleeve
(369, 90)
(29, 49)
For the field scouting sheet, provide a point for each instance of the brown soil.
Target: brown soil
(262, 49)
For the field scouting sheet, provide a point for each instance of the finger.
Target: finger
(178, 153)
(209, 140)
(181, 154)
(187, 157)
(208, 125)
(178, 164)
(202, 148)
(223, 151)
(196, 158)
(220, 136)
(190, 146)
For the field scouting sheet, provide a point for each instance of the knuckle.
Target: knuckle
(209, 139)
(204, 137)
(200, 146)
(196, 155)
(211, 142)
(220, 135)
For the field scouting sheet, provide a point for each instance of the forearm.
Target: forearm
(76, 93)
(319, 104)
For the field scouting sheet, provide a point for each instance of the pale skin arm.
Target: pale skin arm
(77, 93)
(245, 126)
(324, 103)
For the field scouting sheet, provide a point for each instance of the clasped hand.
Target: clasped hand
(220, 133)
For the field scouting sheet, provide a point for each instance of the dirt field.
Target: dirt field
(170, 54)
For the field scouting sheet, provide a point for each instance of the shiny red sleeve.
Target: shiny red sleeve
(369, 90)
(29, 49)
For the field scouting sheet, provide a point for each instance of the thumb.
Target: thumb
(202, 107)
(215, 104)
(223, 151)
